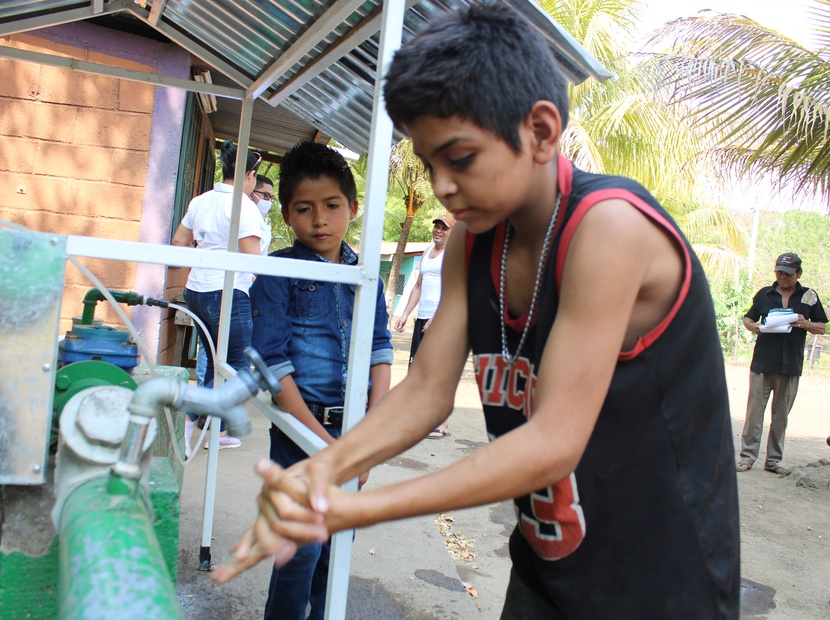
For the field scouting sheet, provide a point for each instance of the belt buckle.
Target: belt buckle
(332, 410)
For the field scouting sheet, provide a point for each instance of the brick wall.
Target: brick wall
(75, 150)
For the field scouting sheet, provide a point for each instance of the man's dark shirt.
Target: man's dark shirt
(783, 353)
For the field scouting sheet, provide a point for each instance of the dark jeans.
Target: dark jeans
(417, 336)
(207, 306)
(305, 578)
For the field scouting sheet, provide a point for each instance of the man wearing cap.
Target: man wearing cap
(778, 358)
(427, 293)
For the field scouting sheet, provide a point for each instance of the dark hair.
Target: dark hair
(310, 160)
(227, 155)
(261, 180)
(486, 64)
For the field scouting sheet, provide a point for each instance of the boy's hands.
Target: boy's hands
(286, 519)
(284, 494)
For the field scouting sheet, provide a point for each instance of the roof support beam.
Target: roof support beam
(358, 35)
(118, 72)
(56, 18)
(155, 12)
(321, 27)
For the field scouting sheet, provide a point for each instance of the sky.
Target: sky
(787, 17)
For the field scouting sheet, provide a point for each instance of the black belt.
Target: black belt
(332, 416)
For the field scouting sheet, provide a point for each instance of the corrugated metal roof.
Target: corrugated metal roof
(274, 129)
(314, 58)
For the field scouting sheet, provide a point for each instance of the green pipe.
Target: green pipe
(111, 565)
(92, 298)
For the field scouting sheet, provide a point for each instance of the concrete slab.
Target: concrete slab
(398, 570)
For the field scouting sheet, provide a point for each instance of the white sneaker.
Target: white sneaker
(188, 436)
(226, 442)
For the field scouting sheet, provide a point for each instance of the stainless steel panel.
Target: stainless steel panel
(32, 269)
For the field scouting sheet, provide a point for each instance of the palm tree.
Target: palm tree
(408, 177)
(622, 127)
(762, 98)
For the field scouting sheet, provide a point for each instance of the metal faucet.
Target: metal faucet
(225, 402)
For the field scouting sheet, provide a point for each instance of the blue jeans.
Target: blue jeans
(207, 306)
(305, 578)
(201, 365)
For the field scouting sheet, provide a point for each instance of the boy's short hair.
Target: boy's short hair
(311, 160)
(261, 180)
(486, 64)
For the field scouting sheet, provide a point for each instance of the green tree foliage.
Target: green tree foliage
(806, 234)
(622, 127)
(408, 182)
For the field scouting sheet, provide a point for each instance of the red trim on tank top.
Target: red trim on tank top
(643, 342)
(564, 182)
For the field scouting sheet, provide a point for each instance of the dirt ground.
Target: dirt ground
(785, 521)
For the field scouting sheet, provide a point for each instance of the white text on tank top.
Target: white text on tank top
(430, 284)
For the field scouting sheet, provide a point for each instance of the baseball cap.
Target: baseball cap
(446, 219)
(788, 263)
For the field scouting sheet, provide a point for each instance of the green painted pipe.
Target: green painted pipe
(93, 296)
(111, 565)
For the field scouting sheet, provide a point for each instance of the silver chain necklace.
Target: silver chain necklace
(540, 270)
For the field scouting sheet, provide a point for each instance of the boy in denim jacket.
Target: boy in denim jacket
(302, 329)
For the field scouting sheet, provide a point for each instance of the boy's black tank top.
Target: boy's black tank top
(647, 525)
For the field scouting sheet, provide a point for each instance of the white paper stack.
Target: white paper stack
(778, 323)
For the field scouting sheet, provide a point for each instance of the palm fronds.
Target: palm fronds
(762, 99)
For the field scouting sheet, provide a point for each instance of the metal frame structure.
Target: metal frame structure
(387, 16)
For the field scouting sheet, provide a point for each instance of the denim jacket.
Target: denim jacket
(303, 328)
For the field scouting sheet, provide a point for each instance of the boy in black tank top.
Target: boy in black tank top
(595, 351)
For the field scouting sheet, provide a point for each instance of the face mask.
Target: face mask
(264, 206)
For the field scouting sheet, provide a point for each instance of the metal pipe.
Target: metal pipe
(224, 402)
(111, 564)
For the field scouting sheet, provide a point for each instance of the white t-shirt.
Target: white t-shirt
(209, 217)
(266, 236)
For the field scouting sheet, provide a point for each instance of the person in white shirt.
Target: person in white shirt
(426, 294)
(207, 223)
(263, 197)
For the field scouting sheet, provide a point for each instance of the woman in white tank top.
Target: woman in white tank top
(426, 294)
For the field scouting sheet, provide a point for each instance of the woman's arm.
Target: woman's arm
(249, 245)
(183, 237)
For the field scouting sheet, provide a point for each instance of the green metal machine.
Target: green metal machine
(109, 550)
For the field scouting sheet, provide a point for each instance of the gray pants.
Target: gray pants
(784, 389)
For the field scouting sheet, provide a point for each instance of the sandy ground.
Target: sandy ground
(785, 521)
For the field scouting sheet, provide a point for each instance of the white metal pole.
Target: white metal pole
(380, 143)
(224, 330)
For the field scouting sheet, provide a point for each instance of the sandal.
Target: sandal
(438, 434)
(778, 469)
(743, 466)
